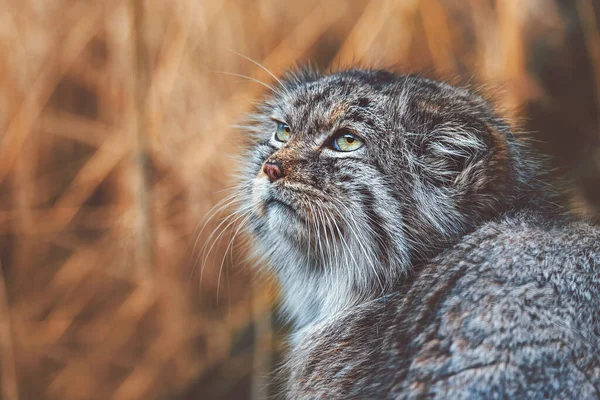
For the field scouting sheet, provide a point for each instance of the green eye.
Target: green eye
(347, 142)
(283, 132)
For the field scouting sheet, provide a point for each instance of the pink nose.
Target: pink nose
(273, 170)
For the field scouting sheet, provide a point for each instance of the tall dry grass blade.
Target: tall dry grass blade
(439, 36)
(143, 133)
(8, 374)
(364, 32)
(112, 151)
(37, 95)
(512, 67)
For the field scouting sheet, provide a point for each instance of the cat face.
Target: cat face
(357, 175)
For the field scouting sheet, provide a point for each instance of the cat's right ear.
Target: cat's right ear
(450, 156)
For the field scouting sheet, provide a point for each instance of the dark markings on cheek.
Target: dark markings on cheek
(345, 178)
(378, 167)
(383, 241)
(404, 208)
(366, 163)
(331, 164)
(351, 160)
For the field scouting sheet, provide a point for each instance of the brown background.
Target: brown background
(116, 140)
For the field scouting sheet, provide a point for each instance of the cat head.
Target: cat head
(356, 176)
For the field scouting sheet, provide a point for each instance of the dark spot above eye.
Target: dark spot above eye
(305, 98)
(360, 116)
(363, 102)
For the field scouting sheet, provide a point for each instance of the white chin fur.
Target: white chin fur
(282, 222)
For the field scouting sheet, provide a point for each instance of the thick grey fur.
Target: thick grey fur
(431, 262)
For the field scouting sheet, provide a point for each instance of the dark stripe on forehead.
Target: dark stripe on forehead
(300, 101)
(320, 95)
(313, 119)
(311, 96)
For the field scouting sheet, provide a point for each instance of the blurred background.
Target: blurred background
(116, 141)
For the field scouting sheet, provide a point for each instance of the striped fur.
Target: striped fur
(344, 230)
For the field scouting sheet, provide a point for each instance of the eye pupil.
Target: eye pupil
(350, 140)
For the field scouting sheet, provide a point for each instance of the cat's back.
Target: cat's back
(513, 310)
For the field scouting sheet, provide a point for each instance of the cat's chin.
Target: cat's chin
(279, 208)
(283, 220)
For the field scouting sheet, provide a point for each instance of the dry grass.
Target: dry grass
(116, 141)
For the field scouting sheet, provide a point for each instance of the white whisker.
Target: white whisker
(249, 78)
(258, 65)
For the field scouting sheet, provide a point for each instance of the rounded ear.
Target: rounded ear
(451, 155)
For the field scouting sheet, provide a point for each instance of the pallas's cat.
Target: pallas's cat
(418, 251)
